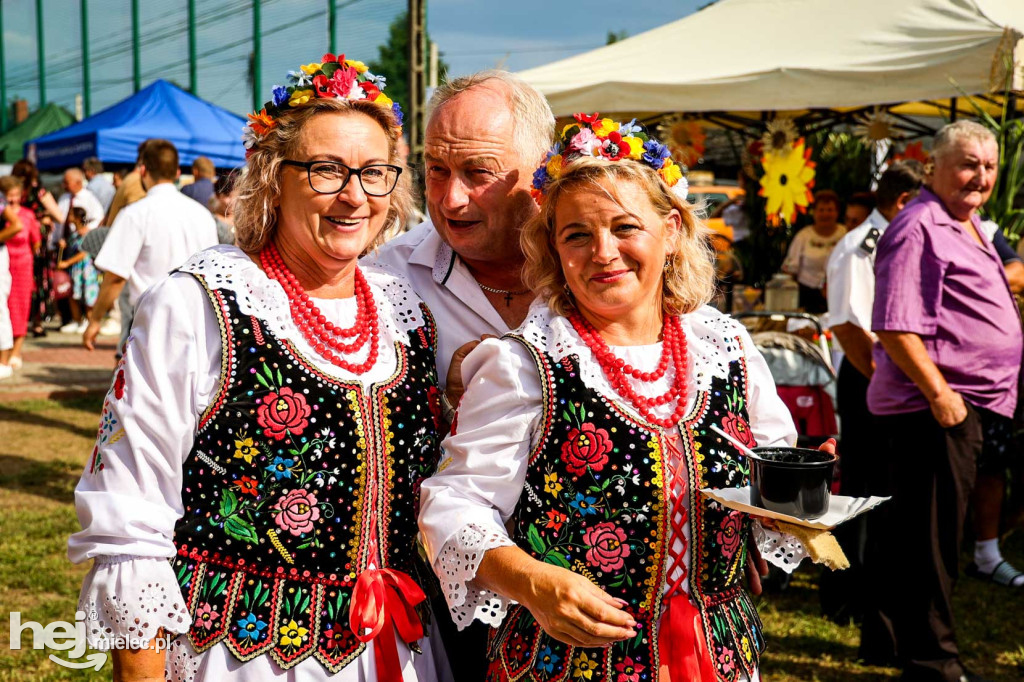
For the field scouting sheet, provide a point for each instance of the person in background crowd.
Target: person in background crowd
(119, 176)
(85, 281)
(98, 183)
(858, 207)
(222, 206)
(75, 194)
(35, 198)
(947, 368)
(149, 239)
(10, 225)
(466, 261)
(851, 294)
(808, 253)
(128, 191)
(204, 174)
(22, 248)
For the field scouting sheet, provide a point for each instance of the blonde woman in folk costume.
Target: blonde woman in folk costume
(587, 431)
(253, 491)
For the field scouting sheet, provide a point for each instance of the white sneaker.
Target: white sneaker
(83, 325)
(70, 328)
(5, 372)
(110, 328)
(16, 363)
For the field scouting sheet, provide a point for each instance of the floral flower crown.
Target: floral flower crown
(603, 138)
(334, 77)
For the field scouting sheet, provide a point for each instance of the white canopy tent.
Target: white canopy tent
(795, 55)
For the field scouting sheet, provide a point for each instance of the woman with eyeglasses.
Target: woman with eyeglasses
(254, 486)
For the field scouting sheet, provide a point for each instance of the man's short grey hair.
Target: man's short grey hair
(93, 165)
(533, 123)
(947, 139)
(75, 174)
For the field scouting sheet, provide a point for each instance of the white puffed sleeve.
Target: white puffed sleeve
(466, 504)
(129, 497)
(770, 419)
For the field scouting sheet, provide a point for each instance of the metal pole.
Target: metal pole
(332, 27)
(136, 50)
(3, 77)
(41, 52)
(257, 72)
(417, 79)
(193, 79)
(86, 95)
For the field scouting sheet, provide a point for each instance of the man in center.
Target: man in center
(486, 134)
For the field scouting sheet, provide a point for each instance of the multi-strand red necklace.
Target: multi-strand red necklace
(673, 349)
(314, 326)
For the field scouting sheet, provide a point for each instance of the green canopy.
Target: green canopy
(46, 120)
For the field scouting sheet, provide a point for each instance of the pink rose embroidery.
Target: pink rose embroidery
(298, 511)
(608, 548)
(283, 412)
(206, 616)
(588, 446)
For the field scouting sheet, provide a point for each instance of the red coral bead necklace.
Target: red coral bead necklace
(314, 326)
(618, 372)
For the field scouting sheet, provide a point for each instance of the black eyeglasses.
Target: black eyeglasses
(330, 177)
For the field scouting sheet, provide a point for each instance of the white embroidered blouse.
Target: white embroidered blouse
(128, 508)
(466, 505)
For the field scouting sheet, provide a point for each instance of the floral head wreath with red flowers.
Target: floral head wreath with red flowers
(604, 138)
(334, 77)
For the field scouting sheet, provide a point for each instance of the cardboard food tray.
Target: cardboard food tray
(840, 507)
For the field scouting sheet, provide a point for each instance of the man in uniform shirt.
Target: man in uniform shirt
(149, 238)
(486, 134)
(851, 294)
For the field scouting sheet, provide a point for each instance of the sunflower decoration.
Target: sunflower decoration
(787, 182)
(876, 128)
(685, 140)
(779, 136)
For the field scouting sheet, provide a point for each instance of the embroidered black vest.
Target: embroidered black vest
(291, 476)
(594, 502)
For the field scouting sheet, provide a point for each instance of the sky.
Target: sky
(470, 34)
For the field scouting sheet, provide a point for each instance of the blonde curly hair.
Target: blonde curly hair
(260, 186)
(689, 278)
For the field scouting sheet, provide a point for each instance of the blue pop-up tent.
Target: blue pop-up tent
(196, 127)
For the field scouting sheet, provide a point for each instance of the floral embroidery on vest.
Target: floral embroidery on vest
(296, 482)
(594, 502)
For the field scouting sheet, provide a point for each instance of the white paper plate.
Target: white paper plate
(840, 507)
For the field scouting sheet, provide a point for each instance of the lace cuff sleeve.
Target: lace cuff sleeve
(779, 549)
(128, 599)
(456, 566)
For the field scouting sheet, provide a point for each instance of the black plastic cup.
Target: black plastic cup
(793, 481)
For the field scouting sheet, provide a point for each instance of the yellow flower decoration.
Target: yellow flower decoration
(292, 634)
(300, 97)
(383, 100)
(583, 667)
(685, 139)
(605, 126)
(636, 146)
(747, 653)
(312, 68)
(670, 173)
(245, 449)
(787, 182)
(555, 166)
(551, 484)
(355, 64)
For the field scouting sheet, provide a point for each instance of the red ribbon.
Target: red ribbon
(682, 646)
(383, 601)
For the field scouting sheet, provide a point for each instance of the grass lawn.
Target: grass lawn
(44, 446)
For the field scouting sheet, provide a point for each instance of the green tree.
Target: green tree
(393, 60)
(616, 36)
